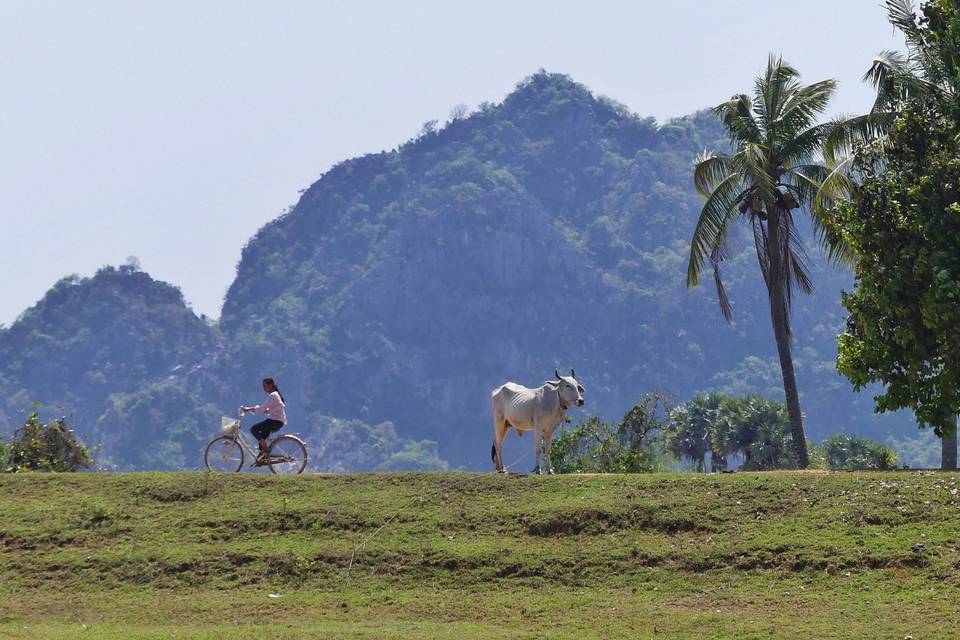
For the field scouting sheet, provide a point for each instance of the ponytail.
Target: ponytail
(273, 384)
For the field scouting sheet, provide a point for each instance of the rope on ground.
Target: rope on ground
(363, 543)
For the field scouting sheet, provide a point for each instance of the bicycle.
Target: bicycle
(286, 454)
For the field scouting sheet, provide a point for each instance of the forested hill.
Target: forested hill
(88, 338)
(549, 230)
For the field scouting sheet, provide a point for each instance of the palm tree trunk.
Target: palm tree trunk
(778, 316)
(948, 446)
(718, 461)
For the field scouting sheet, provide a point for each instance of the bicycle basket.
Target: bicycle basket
(229, 426)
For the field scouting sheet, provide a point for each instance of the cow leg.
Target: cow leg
(537, 440)
(547, 444)
(499, 433)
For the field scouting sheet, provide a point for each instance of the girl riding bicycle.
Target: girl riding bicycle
(276, 416)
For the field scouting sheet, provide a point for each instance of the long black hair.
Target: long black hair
(273, 384)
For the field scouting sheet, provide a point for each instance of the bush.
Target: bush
(45, 447)
(855, 452)
(634, 445)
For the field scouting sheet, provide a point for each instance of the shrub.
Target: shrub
(633, 445)
(45, 447)
(856, 452)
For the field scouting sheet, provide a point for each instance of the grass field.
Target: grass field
(772, 555)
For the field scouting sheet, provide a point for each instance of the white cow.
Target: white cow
(539, 410)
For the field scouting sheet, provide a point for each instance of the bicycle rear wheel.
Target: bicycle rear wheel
(288, 455)
(223, 455)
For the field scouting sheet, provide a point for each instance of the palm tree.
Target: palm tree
(774, 170)
(897, 78)
(690, 430)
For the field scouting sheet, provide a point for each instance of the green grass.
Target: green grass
(781, 555)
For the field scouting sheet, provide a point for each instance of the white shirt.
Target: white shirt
(274, 408)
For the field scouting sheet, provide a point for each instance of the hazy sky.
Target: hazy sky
(172, 131)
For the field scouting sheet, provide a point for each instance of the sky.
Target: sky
(172, 131)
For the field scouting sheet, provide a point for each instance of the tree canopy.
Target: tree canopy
(903, 227)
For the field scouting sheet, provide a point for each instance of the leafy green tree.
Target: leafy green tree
(45, 447)
(772, 172)
(634, 445)
(902, 225)
(904, 324)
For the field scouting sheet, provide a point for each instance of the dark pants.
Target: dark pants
(262, 430)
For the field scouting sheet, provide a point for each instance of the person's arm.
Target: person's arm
(273, 401)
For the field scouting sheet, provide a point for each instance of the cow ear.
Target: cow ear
(580, 388)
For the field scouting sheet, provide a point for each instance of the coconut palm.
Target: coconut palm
(774, 171)
(898, 77)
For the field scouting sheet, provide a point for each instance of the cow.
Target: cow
(539, 410)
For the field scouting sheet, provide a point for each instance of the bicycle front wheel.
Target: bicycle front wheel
(288, 455)
(223, 455)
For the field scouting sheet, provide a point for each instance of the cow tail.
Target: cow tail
(493, 451)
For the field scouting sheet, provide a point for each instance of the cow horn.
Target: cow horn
(556, 373)
(573, 374)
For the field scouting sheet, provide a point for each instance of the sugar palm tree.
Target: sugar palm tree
(774, 170)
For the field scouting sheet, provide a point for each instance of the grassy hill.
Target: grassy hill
(791, 554)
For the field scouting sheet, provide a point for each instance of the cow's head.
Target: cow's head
(571, 391)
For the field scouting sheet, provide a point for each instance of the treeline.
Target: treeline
(710, 432)
(881, 192)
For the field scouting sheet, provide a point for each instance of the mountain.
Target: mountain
(90, 337)
(548, 231)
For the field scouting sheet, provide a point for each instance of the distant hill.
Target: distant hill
(547, 231)
(90, 337)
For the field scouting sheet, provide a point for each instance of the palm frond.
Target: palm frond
(901, 15)
(772, 91)
(711, 225)
(807, 183)
(796, 260)
(738, 120)
(717, 256)
(805, 145)
(709, 170)
(896, 78)
(803, 106)
(723, 299)
(760, 244)
(847, 133)
(752, 162)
